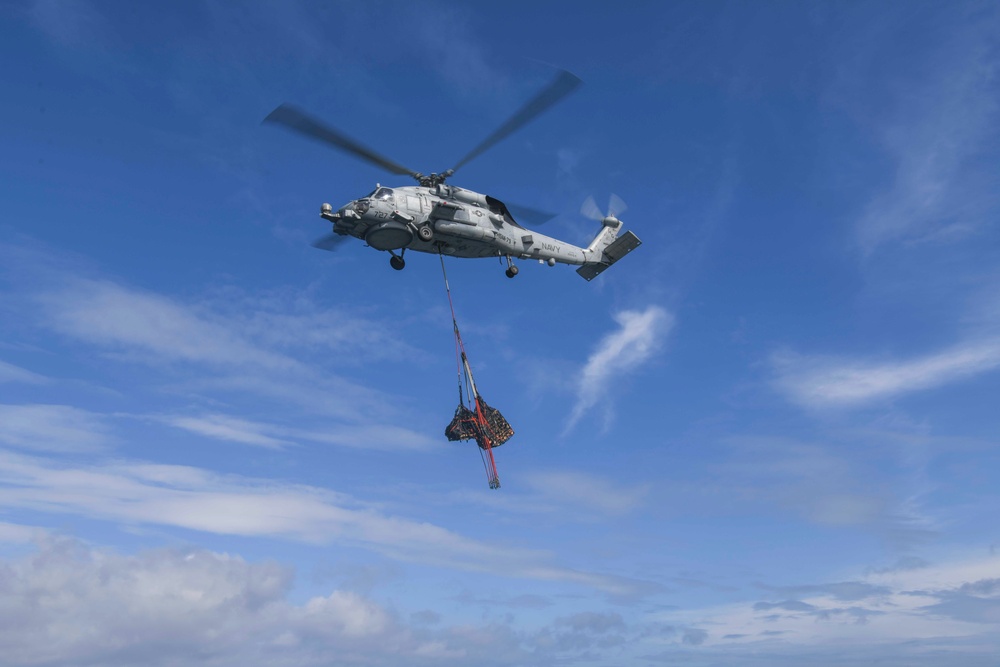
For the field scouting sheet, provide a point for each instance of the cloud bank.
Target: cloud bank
(68, 604)
(896, 616)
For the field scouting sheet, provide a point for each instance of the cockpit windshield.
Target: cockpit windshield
(383, 194)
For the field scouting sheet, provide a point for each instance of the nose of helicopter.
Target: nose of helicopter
(352, 209)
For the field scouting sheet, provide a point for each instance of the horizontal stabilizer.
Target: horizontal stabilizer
(620, 247)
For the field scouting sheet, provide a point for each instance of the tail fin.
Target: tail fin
(607, 248)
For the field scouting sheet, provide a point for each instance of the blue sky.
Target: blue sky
(768, 436)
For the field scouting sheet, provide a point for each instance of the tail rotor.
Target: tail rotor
(616, 206)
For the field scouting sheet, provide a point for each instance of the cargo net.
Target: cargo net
(478, 421)
(485, 425)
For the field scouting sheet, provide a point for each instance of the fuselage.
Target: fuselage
(449, 220)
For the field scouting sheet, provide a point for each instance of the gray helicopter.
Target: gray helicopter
(438, 218)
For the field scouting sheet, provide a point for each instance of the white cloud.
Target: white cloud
(819, 382)
(195, 499)
(68, 604)
(638, 338)
(52, 428)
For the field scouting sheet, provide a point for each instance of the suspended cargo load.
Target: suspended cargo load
(476, 421)
(485, 425)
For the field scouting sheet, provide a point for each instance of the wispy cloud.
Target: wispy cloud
(290, 321)
(824, 382)
(639, 336)
(276, 344)
(151, 325)
(211, 348)
(52, 428)
(12, 373)
(276, 436)
(229, 429)
(936, 136)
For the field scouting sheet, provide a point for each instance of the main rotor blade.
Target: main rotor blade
(532, 216)
(297, 120)
(329, 241)
(563, 85)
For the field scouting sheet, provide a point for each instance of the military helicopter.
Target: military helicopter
(438, 218)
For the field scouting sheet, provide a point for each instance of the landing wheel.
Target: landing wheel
(425, 233)
(397, 262)
(511, 272)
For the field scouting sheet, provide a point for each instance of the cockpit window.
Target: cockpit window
(383, 194)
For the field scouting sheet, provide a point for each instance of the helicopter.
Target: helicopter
(435, 217)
